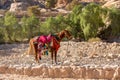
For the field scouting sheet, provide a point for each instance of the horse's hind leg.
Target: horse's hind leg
(36, 53)
(36, 57)
(52, 56)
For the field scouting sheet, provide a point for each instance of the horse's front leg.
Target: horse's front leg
(55, 57)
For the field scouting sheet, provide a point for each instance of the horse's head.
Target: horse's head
(65, 33)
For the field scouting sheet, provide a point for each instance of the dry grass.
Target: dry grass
(94, 40)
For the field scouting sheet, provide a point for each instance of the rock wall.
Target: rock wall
(44, 71)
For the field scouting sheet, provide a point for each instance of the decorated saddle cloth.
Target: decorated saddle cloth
(44, 39)
(42, 48)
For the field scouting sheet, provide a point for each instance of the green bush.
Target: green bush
(86, 21)
(114, 17)
(10, 27)
(50, 3)
(112, 28)
(30, 26)
(73, 20)
(91, 20)
(33, 10)
(53, 25)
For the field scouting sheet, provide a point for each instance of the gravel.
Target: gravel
(70, 54)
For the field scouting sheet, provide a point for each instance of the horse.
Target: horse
(53, 40)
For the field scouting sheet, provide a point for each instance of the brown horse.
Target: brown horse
(54, 44)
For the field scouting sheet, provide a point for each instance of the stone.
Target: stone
(37, 71)
(109, 72)
(65, 72)
(19, 6)
(3, 69)
(92, 73)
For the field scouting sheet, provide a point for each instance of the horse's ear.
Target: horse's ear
(67, 29)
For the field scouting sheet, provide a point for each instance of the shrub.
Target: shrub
(91, 20)
(10, 27)
(33, 10)
(114, 17)
(50, 3)
(29, 26)
(53, 25)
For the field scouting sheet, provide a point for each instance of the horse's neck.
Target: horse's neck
(61, 36)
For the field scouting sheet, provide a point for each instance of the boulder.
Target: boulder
(4, 4)
(19, 6)
(62, 3)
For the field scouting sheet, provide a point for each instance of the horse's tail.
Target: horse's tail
(31, 49)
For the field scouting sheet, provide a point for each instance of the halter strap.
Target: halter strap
(57, 37)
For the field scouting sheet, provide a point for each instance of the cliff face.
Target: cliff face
(112, 3)
(5, 4)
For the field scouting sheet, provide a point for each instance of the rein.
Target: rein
(67, 47)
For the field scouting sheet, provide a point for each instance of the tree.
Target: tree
(10, 27)
(73, 20)
(1, 30)
(53, 25)
(29, 26)
(114, 17)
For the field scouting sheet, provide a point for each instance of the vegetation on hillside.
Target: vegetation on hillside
(84, 22)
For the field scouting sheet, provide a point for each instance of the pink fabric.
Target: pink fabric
(44, 39)
(49, 37)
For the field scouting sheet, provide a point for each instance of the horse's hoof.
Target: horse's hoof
(38, 61)
(40, 58)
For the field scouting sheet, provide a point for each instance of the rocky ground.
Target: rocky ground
(25, 77)
(70, 54)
